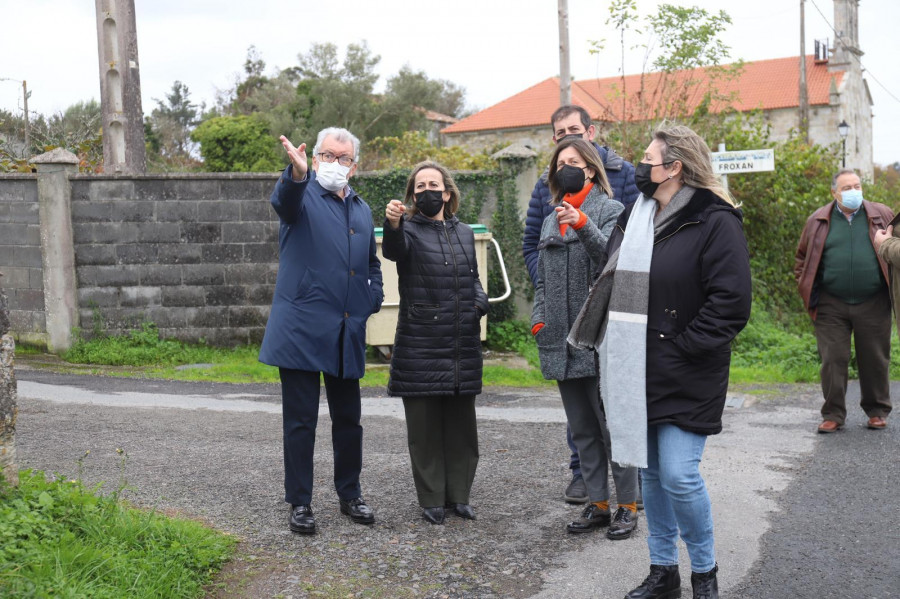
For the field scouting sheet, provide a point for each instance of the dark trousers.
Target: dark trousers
(581, 401)
(870, 324)
(300, 414)
(443, 447)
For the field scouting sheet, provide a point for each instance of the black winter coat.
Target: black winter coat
(437, 348)
(699, 301)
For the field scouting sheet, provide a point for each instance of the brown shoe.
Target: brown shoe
(876, 422)
(829, 426)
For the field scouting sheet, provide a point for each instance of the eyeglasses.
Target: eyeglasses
(660, 164)
(344, 160)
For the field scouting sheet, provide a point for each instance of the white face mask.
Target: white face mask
(332, 176)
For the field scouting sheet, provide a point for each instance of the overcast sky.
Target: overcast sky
(492, 48)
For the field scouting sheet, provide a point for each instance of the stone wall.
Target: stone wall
(195, 254)
(20, 255)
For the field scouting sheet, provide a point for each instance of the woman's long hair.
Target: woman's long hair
(588, 153)
(682, 144)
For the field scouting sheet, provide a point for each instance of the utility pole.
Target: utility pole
(25, 107)
(27, 132)
(565, 78)
(120, 88)
(804, 96)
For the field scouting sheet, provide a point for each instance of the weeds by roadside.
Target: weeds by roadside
(61, 539)
(766, 351)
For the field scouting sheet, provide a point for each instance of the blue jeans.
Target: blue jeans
(675, 498)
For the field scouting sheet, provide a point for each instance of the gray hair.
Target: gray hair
(843, 171)
(339, 134)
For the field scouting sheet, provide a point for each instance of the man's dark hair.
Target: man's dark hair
(564, 111)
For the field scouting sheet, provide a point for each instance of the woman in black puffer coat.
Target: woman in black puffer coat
(436, 363)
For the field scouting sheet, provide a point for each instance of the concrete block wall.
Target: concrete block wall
(20, 255)
(195, 254)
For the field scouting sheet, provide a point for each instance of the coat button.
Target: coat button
(352, 232)
(346, 315)
(352, 272)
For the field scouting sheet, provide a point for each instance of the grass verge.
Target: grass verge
(63, 540)
(765, 352)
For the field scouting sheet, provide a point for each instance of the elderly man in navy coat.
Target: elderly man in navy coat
(329, 283)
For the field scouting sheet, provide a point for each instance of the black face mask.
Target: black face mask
(570, 179)
(430, 202)
(642, 178)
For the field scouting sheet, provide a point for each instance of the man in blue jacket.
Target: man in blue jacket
(329, 283)
(571, 120)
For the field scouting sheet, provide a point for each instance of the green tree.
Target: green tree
(686, 50)
(407, 97)
(237, 144)
(339, 93)
(172, 120)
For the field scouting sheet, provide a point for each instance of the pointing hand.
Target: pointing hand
(298, 158)
(394, 211)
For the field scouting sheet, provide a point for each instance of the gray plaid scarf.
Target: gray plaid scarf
(613, 321)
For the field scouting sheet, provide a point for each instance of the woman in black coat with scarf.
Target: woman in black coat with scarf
(673, 295)
(436, 363)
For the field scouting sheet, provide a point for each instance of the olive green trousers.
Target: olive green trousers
(443, 447)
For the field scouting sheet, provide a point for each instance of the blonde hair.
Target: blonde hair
(589, 154)
(450, 206)
(682, 144)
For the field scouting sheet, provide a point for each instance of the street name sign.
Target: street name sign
(743, 161)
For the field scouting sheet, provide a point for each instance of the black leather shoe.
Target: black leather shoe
(664, 582)
(623, 524)
(705, 585)
(591, 519)
(435, 515)
(302, 520)
(463, 510)
(358, 511)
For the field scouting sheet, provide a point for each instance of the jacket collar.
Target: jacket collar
(421, 219)
(701, 205)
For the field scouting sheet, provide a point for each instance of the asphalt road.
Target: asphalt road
(797, 514)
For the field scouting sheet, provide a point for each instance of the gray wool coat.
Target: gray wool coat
(566, 267)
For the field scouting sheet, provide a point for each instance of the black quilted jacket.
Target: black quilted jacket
(437, 348)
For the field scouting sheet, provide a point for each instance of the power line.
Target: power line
(840, 40)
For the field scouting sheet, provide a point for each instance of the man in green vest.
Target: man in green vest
(843, 283)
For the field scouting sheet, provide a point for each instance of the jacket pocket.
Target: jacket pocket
(424, 312)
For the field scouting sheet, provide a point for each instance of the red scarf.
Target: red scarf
(575, 200)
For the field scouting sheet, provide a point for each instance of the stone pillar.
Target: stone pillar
(8, 404)
(57, 245)
(521, 160)
(120, 88)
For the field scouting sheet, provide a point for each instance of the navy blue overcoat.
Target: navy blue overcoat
(329, 280)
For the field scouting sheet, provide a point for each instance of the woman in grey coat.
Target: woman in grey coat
(572, 249)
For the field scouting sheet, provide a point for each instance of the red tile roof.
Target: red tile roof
(765, 84)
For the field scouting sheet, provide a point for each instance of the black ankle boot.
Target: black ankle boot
(664, 582)
(705, 585)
